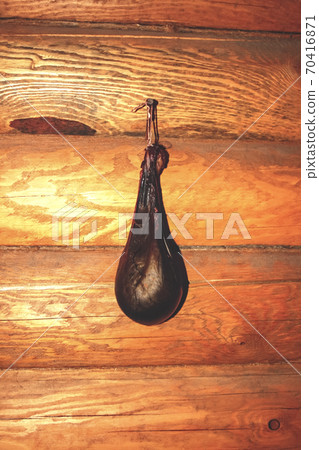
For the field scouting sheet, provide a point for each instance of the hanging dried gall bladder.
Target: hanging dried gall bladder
(151, 282)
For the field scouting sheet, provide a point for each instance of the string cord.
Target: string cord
(151, 121)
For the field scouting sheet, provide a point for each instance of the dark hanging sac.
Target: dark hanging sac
(151, 282)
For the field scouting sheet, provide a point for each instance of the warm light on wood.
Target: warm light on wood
(258, 180)
(263, 285)
(243, 15)
(208, 378)
(213, 86)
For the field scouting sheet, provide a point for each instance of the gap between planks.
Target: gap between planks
(66, 29)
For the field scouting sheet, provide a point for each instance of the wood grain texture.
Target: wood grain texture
(220, 407)
(213, 86)
(243, 15)
(111, 341)
(79, 433)
(95, 333)
(40, 175)
(66, 268)
(280, 301)
(128, 392)
(206, 379)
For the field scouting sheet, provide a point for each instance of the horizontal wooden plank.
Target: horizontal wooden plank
(223, 405)
(81, 433)
(243, 15)
(280, 301)
(186, 339)
(40, 175)
(149, 390)
(214, 86)
(95, 333)
(28, 268)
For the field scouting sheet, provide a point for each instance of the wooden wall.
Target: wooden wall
(244, 15)
(216, 376)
